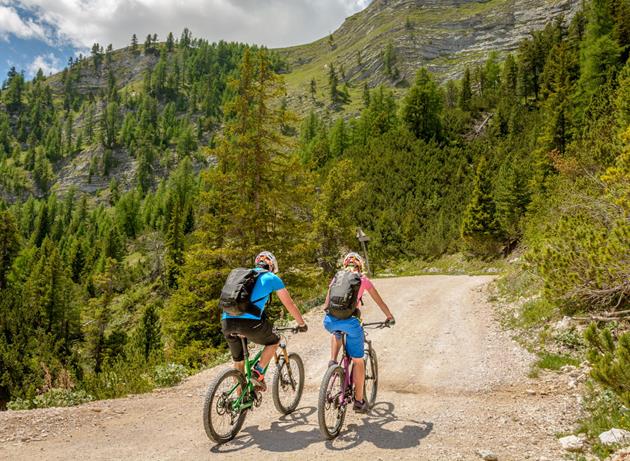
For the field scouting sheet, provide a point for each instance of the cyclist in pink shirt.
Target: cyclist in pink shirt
(351, 326)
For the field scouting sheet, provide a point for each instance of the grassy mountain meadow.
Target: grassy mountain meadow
(133, 181)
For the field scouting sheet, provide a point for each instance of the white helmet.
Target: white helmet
(268, 259)
(353, 259)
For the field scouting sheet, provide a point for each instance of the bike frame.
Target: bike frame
(241, 403)
(347, 394)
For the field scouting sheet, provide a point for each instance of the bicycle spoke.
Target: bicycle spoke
(223, 409)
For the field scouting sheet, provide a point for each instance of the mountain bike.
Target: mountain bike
(232, 393)
(337, 389)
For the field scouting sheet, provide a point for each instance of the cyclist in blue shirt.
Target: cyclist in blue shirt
(257, 328)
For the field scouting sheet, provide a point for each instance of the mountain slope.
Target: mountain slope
(444, 36)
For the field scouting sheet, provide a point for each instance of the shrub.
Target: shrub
(52, 398)
(610, 360)
(169, 375)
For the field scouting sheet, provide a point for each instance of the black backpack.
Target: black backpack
(343, 294)
(237, 291)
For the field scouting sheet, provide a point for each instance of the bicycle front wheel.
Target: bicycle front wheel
(331, 407)
(371, 377)
(288, 383)
(222, 413)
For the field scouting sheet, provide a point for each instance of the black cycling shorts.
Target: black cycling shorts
(257, 331)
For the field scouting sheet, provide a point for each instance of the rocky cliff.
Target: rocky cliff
(442, 35)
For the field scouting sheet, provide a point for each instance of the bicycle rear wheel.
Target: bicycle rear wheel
(221, 419)
(288, 383)
(371, 377)
(331, 408)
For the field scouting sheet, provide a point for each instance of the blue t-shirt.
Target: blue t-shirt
(266, 283)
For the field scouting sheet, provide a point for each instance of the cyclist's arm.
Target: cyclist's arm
(377, 298)
(288, 303)
(327, 299)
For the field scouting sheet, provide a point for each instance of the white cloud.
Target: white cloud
(269, 22)
(49, 64)
(12, 24)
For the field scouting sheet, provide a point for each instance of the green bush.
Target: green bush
(169, 375)
(610, 360)
(118, 380)
(52, 398)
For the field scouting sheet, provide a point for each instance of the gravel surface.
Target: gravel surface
(452, 385)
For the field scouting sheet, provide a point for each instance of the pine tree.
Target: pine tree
(313, 89)
(9, 245)
(465, 94)
(366, 95)
(334, 219)
(389, 61)
(480, 228)
(422, 107)
(49, 293)
(174, 244)
(100, 307)
(333, 82)
(557, 108)
(511, 197)
(134, 43)
(170, 42)
(42, 226)
(109, 125)
(339, 138)
(149, 334)
(13, 90)
(600, 53)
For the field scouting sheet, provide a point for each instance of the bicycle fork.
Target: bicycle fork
(284, 354)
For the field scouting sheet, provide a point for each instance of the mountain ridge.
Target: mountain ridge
(445, 37)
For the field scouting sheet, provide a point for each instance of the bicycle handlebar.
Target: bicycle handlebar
(288, 329)
(376, 325)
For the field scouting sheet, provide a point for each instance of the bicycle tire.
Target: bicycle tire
(277, 383)
(210, 400)
(333, 372)
(371, 375)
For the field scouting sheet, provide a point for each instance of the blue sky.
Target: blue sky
(45, 33)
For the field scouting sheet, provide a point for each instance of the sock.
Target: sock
(259, 369)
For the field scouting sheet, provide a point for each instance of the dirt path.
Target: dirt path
(451, 383)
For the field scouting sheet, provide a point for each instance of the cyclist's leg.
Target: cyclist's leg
(230, 329)
(236, 346)
(355, 339)
(333, 325)
(359, 377)
(335, 346)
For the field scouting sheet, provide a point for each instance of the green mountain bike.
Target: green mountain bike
(232, 393)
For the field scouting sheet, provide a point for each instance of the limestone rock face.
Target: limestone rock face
(442, 35)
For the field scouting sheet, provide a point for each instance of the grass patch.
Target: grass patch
(549, 361)
(535, 312)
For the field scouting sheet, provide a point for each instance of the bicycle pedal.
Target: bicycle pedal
(257, 398)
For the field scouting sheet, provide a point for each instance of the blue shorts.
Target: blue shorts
(353, 330)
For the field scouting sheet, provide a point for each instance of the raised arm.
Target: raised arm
(288, 303)
(377, 298)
